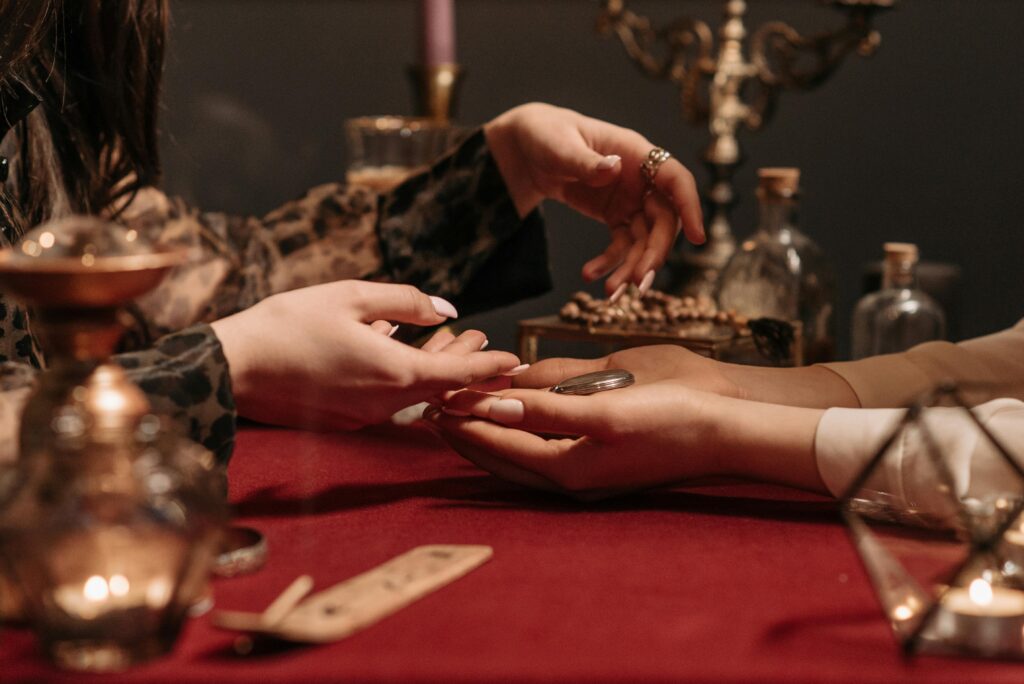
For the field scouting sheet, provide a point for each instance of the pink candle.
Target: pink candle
(437, 32)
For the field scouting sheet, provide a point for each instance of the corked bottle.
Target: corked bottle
(781, 273)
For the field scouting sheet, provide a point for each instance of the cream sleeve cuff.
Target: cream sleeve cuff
(847, 439)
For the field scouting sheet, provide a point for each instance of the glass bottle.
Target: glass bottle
(781, 273)
(898, 316)
(108, 522)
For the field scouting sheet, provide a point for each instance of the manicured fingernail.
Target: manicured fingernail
(507, 411)
(618, 293)
(484, 345)
(393, 330)
(646, 283)
(609, 162)
(517, 370)
(444, 308)
(455, 412)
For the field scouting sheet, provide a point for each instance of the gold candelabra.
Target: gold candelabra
(729, 91)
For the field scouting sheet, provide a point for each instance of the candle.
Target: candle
(982, 599)
(437, 32)
(981, 618)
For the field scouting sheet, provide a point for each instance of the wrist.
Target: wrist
(500, 134)
(232, 342)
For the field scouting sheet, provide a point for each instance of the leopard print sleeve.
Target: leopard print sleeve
(184, 375)
(452, 231)
(443, 230)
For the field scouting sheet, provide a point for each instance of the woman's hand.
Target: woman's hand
(659, 363)
(319, 357)
(628, 439)
(594, 167)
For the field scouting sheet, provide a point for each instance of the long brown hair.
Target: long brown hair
(95, 66)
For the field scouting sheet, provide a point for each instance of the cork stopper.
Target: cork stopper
(779, 181)
(900, 251)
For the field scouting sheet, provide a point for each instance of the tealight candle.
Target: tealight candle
(981, 618)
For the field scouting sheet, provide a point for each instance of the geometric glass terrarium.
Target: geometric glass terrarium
(943, 545)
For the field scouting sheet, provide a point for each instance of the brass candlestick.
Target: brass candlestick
(436, 90)
(713, 85)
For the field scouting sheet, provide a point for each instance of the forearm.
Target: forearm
(765, 442)
(810, 386)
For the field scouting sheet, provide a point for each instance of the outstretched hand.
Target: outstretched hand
(319, 357)
(594, 167)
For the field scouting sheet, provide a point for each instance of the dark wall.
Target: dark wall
(920, 143)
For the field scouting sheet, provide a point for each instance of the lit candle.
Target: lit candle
(982, 599)
(437, 32)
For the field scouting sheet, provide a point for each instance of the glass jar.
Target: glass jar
(781, 273)
(899, 316)
(109, 522)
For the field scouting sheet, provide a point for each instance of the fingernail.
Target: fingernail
(455, 412)
(507, 411)
(518, 369)
(608, 162)
(646, 283)
(394, 329)
(618, 293)
(444, 308)
(484, 345)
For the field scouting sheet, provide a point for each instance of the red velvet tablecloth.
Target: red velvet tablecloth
(715, 583)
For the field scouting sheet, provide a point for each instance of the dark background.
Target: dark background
(920, 143)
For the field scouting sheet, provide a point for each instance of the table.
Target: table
(721, 582)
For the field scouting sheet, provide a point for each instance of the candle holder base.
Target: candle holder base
(436, 90)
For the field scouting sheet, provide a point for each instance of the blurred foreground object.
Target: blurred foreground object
(108, 521)
(943, 545)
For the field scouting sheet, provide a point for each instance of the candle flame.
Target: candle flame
(980, 592)
(96, 589)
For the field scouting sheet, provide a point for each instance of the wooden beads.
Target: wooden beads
(653, 312)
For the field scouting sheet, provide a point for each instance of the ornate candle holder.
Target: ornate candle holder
(947, 566)
(108, 522)
(436, 90)
(780, 59)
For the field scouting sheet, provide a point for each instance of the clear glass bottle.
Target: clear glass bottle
(898, 316)
(781, 273)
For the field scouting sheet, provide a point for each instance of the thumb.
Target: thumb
(575, 158)
(373, 301)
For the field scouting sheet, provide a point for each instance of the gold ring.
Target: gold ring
(649, 169)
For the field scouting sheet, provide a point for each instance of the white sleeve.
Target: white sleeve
(847, 439)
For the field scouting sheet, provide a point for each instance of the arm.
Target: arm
(670, 434)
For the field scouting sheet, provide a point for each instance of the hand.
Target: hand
(310, 358)
(619, 441)
(660, 363)
(633, 438)
(594, 167)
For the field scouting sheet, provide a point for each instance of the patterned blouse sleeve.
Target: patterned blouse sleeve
(451, 230)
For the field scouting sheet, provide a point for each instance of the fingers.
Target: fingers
(663, 226)
(466, 343)
(402, 303)
(448, 371)
(550, 372)
(438, 341)
(624, 273)
(466, 442)
(602, 265)
(535, 411)
(383, 328)
(677, 184)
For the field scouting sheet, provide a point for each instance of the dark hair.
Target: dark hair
(95, 66)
